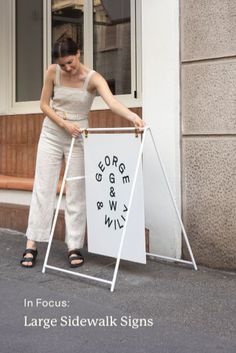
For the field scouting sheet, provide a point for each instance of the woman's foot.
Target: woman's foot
(75, 258)
(30, 254)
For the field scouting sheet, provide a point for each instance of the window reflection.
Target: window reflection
(112, 43)
(29, 50)
(67, 20)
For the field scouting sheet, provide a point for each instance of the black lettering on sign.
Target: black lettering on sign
(114, 161)
(112, 178)
(99, 205)
(107, 161)
(112, 192)
(101, 166)
(98, 177)
(120, 225)
(121, 168)
(125, 208)
(108, 221)
(118, 171)
(113, 205)
(125, 179)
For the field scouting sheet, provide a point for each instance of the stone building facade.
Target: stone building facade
(208, 104)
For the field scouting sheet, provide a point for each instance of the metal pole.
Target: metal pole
(58, 205)
(79, 274)
(174, 202)
(113, 129)
(166, 258)
(129, 206)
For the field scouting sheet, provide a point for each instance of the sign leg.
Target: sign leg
(174, 202)
(58, 206)
(129, 206)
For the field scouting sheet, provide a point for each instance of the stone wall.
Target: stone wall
(208, 104)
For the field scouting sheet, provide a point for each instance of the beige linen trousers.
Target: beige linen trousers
(54, 145)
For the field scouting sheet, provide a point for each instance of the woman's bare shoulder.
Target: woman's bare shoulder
(51, 69)
(51, 72)
(97, 77)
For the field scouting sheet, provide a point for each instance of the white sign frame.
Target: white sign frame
(113, 281)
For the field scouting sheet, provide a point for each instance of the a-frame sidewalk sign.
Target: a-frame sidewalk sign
(144, 131)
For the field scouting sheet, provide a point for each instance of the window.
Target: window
(28, 50)
(68, 19)
(112, 43)
(104, 29)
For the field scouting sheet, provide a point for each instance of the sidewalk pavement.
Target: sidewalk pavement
(158, 307)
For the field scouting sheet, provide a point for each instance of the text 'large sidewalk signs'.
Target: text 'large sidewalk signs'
(110, 162)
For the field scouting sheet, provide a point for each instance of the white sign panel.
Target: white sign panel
(110, 163)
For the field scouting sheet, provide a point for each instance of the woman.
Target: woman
(72, 87)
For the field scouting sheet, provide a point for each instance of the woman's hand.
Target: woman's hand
(98, 83)
(73, 128)
(137, 121)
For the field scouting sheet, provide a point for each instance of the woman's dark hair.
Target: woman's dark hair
(64, 47)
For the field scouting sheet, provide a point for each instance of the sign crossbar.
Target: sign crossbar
(78, 274)
(167, 258)
(113, 281)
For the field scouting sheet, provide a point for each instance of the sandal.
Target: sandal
(75, 255)
(29, 259)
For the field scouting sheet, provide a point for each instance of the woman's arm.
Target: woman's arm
(47, 91)
(100, 84)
